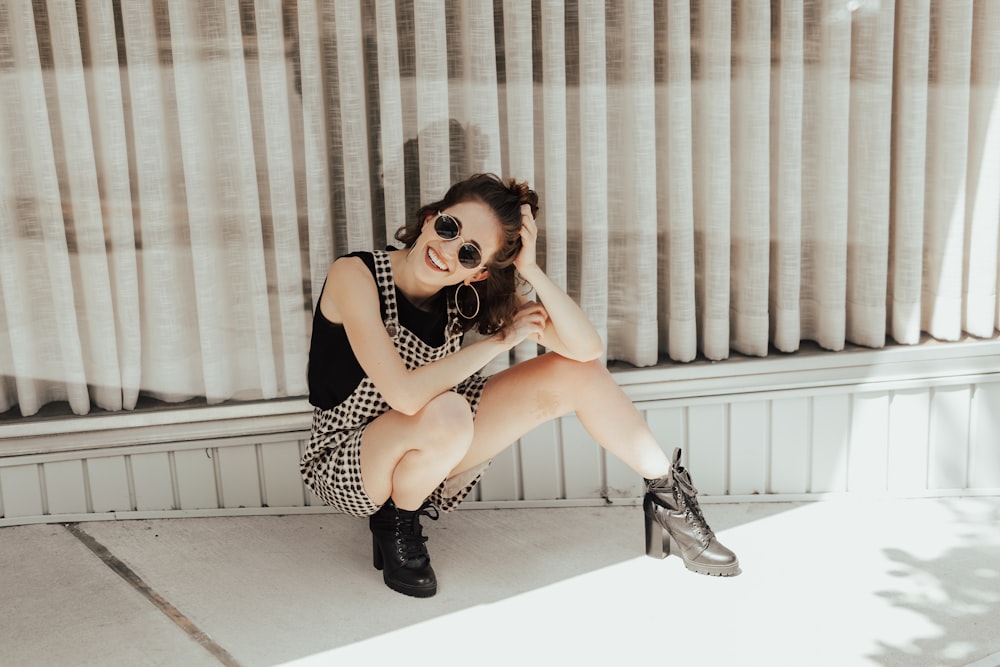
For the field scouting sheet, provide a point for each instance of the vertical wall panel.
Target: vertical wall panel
(984, 454)
(667, 425)
(909, 415)
(790, 443)
(239, 477)
(151, 478)
(65, 487)
(867, 459)
(748, 437)
(620, 480)
(830, 437)
(282, 481)
(108, 484)
(949, 438)
(500, 480)
(22, 491)
(581, 460)
(196, 479)
(540, 462)
(707, 444)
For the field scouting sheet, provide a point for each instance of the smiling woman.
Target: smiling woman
(412, 428)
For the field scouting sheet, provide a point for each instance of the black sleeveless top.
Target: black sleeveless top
(334, 371)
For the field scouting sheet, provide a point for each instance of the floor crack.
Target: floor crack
(137, 582)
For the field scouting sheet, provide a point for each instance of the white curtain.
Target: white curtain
(717, 177)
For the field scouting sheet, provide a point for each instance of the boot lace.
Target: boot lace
(410, 538)
(687, 497)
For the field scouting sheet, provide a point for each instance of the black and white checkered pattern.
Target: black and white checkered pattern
(331, 465)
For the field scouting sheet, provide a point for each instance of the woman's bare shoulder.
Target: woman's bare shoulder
(348, 284)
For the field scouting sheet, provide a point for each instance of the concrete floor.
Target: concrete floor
(839, 582)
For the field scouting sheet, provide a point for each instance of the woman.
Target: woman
(404, 424)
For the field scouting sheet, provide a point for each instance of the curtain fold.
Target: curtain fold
(591, 230)
(632, 244)
(909, 140)
(276, 160)
(750, 183)
(433, 129)
(981, 313)
(45, 336)
(826, 113)
(354, 126)
(785, 172)
(675, 201)
(553, 179)
(717, 177)
(89, 266)
(869, 171)
(111, 161)
(171, 364)
(946, 173)
(711, 128)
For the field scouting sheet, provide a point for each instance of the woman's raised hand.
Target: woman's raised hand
(529, 323)
(525, 260)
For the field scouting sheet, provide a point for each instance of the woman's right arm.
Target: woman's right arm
(351, 297)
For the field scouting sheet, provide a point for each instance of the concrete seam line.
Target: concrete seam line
(134, 580)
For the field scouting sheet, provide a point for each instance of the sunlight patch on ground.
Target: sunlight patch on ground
(820, 586)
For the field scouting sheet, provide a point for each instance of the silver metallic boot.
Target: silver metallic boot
(671, 505)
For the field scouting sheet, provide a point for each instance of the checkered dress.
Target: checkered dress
(331, 464)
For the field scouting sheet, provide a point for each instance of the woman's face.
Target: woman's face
(458, 243)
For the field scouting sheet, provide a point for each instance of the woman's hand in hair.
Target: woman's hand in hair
(565, 328)
(525, 262)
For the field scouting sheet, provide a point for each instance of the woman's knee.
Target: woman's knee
(446, 422)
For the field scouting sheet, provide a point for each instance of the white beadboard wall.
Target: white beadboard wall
(921, 420)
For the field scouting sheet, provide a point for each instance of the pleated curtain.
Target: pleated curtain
(717, 178)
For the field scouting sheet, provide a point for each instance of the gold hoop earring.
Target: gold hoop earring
(459, 308)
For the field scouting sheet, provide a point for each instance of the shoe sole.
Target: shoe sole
(412, 592)
(710, 570)
(724, 571)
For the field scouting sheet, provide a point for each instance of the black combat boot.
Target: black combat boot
(399, 549)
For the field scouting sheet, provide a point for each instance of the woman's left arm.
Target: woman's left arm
(568, 331)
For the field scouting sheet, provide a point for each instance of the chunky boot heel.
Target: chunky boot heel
(376, 554)
(399, 549)
(657, 543)
(672, 502)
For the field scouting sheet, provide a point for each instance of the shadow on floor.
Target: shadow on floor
(956, 592)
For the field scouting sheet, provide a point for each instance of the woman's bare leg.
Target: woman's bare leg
(405, 457)
(535, 391)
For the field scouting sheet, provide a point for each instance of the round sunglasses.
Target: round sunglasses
(448, 227)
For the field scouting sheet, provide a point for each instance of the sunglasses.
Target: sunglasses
(447, 227)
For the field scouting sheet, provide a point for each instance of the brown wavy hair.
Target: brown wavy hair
(498, 302)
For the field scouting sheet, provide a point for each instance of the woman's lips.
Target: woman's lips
(435, 261)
